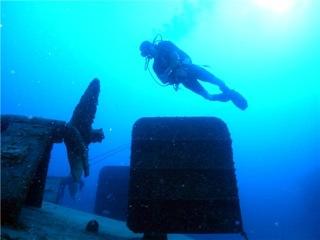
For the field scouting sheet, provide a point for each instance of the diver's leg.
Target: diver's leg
(196, 87)
(204, 75)
(227, 93)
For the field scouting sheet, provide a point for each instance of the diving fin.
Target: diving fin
(237, 99)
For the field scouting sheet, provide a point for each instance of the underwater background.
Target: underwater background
(269, 50)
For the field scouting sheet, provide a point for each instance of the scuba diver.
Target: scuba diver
(173, 66)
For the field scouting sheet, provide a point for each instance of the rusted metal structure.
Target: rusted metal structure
(26, 145)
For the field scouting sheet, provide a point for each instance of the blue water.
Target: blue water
(267, 50)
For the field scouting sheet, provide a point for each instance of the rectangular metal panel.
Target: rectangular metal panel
(112, 192)
(182, 177)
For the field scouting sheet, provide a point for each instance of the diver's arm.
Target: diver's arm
(174, 60)
(173, 64)
(169, 53)
(165, 76)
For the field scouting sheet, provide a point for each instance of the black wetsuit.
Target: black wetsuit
(169, 57)
(173, 66)
(181, 70)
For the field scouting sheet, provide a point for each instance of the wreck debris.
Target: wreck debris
(79, 132)
(85, 112)
(77, 152)
(92, 226)
(26, 144)
(25, 150)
